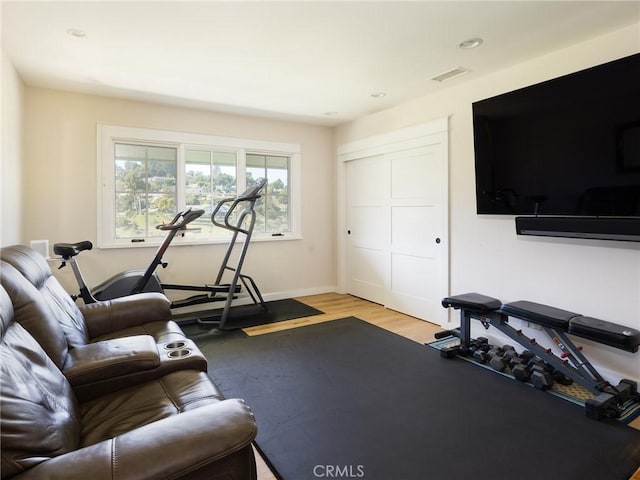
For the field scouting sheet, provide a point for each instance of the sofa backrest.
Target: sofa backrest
(34, 313)
(40, 417)
(36, 270)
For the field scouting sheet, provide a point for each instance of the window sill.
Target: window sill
(155, 243)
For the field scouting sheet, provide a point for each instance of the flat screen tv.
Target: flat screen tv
(565, 147)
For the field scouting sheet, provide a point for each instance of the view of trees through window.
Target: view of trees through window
(272, 208)
(209, 178)
(148, 191)
(146, 179)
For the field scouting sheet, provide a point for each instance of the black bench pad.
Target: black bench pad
(544, 315)
(472, 302)
(601, 331)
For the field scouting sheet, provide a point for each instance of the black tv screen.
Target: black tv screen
(568, 146)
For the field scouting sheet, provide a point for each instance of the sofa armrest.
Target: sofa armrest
(98, 361)
(120, 313)
(175, 447)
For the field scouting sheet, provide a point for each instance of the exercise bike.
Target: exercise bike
(136, 281)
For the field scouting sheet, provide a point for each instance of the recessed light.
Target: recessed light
(378, 94)
(471, 43)
(76, 32)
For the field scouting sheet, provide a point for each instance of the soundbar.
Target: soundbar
(626, 229)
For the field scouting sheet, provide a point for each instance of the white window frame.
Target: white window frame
(108, 135)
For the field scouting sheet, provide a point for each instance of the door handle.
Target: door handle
(438, 240)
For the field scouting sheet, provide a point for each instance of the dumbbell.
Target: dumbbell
(513, 361)
(521, 372)
(481, 356)
(526, 355)
(536, 362)
(509, 353)
(495, 350)
(450, 352)
(561, 378)
(497, 360)
(541, 379)
(474, 345)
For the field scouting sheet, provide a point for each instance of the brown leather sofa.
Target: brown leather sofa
(144, 415)
(98, 346)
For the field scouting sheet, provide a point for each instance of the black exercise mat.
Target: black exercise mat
(252, 316)
(349, 398)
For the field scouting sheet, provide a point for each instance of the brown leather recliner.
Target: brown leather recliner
(95, 322)
(171, 428)
(102, 346)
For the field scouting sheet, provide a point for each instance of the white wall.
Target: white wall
(11, 205)
(60, 205)
(595, 278)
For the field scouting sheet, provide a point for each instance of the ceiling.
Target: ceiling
(314, 62)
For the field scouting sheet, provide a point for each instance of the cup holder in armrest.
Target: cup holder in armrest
(179, 353)
(177, 345)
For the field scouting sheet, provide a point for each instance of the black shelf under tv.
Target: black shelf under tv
(625, 229)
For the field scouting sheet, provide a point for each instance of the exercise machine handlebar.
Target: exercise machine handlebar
(249, 195)
(181, 220)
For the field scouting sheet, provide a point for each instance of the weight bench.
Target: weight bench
(557, 324)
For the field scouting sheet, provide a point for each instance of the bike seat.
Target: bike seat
(67, 250)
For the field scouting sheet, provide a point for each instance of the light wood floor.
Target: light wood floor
(336, 306)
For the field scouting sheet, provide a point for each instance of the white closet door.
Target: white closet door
(397, 226)
(367, 235)
(417, 254)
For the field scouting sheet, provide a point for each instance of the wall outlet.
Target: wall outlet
(42, 247)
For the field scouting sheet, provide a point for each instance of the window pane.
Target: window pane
(225, 158)
(198, 178)
(130, 152)
(210, 177)
(129, 176)
(278, 162)
(261, 224)
(161, 176)
(277, 213)
(272, 209)
(198, 156)
(129, 221)
(255, 168)
(198, 188)
(162, 153)
(225, 184)
(224, 175)
(255, 160)
(145, 180)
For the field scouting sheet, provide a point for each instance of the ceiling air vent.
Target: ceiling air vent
(456, 72)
